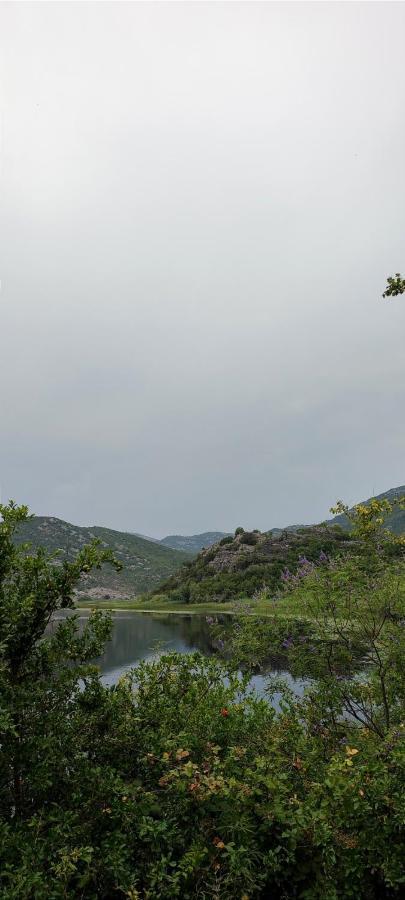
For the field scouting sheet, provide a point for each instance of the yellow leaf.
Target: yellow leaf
(182, 754)
(351, 751)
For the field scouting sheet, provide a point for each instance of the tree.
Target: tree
(395, 286)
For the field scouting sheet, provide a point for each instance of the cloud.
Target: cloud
(200, 206)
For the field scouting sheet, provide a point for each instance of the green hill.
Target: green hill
(241, 564)
(395, 522)
(145, 563)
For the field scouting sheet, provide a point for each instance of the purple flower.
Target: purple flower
(209, 620)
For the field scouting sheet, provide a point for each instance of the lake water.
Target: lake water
(141, 636)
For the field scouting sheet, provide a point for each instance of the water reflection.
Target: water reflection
(138, 636)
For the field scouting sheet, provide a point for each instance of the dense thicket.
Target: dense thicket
(175, 782)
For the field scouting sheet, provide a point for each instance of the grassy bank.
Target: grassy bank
(283, 607)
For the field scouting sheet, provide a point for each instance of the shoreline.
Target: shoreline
(169, 612)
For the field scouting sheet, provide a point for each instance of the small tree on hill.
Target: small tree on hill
(395, 286)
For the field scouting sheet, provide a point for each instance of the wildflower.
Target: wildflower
(224, 712)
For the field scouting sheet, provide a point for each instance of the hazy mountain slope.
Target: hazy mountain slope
(395, 522)
(145, 563)
(193, 543)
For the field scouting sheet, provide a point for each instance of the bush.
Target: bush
(178, 783)
(249, 537)
(226, 540)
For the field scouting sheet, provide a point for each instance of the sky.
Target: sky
(200, 205)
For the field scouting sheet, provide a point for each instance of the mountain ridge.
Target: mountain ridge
(193, 543)
(145, 563)
(151, 565)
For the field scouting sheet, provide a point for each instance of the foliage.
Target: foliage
(393, 521)
(368, 519)
(179, 783)
(395, 286)
(249, 537)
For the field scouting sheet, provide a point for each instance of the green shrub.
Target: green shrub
(178, 782)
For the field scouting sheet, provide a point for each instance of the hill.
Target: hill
(193, 543)
(145, 563)
(241, 564)
(395, 522)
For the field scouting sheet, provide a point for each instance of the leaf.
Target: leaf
(182, 754)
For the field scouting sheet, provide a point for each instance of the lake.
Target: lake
(140, 636)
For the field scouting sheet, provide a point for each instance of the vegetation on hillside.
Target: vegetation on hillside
(249, 562)
(144, 563)
(176, 783)
(243, 564)
(394, 518)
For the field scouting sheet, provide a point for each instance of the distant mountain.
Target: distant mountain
(395, 522)
(145, 563)
(193, 543)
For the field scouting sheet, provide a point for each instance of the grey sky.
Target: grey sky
(200, 204)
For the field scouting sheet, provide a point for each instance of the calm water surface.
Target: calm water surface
(137, 636)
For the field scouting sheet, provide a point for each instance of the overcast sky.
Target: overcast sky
(200, 203)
